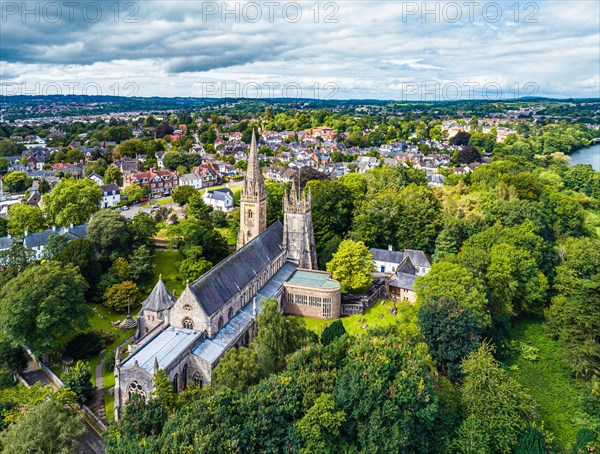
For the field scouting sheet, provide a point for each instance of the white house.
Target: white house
(219, 199)
(111, 195)
(159, 159)
(388, 261)
(96, 178)
(191, 179)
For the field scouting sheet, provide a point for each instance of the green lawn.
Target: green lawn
(548, 381)
(164, 263)
(353, 324)
(101, 320)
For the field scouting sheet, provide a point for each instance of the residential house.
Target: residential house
(111, 195)
(388, 261)
(96, 178)
(219, 199)
(157, 182)
(191, 179)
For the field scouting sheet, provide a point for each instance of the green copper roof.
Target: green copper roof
(312, 279)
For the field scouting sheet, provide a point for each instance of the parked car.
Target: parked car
(156, 205)
(124, 208)
(143, 200)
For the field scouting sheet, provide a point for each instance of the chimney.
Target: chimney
(390, 247)
(54, 228)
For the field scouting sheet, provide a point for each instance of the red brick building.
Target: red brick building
(158, 182)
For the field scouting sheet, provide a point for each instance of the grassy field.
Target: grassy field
(548, 381)
(164, 264)
(353, 324)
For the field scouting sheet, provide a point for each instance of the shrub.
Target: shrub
(332, 332)
(79, 380)
(84, 345)
(109, 361)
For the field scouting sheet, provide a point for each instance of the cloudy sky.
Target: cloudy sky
(344, 49)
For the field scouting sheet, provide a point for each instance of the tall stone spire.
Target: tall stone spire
(253, 199)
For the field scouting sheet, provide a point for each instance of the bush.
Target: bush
(218, 218)
(109, 361)
(183, 194)
(79, 380)
(85, 345)
(332, 332)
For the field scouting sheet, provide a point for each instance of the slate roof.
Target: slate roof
(38, 239)
(210, 350)
(79, 231)
(159, 299)
(384, 255)
(403, 280)
(222, 282)
(418, 258)
(109, 188)
(406, 266)
(165, 347)
(219, 194)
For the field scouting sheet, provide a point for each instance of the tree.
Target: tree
(3, 226)
(79, 380)
(183, 194)
(23, 217)
(445, 245)
(82, 254)
(42, 304)
(10, 148)
(4, 164)
(460, 138)
(451, 332)
(238, 370)
(16, 182)
(131, 148)
(109, 232)
(118, 296)
(351, 265)
(194, 265)
(332, 332)
(72, 202)
(142, 229)
(466, 155)
(320, 426)
(218, 218)
(163, 391)
(174, 159)
(190, 232)
(197, 208)
(472, 438)
(454, 282)
(47, 427)
(133, 193)
(14, 260)
(500, 404)
(113, 175)
(140, 264)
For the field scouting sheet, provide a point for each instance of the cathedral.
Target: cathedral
(186, 336)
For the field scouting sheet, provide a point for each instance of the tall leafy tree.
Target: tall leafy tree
(72, 202)
(500, 404)
(45, 427)
(351, 265)
(23, 217)
(79, 380)
(109, 232)
(42, 304)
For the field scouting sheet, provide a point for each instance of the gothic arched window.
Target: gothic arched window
(176, 384)
(249, 234)
(230, 313)
(249, 214)
(184, 378)
(135, 388)
(220, 324)
(198, 379)
(187, 323)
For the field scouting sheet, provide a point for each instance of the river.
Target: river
(589, 155)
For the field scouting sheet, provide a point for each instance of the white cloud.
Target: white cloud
(368, 49)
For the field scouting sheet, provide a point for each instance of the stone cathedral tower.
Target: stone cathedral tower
(253, 200)
(298, 234)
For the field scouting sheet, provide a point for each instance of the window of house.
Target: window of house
(187, 323)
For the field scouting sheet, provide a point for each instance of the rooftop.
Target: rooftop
(165, 347)
(313, 279)
(210, 350)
